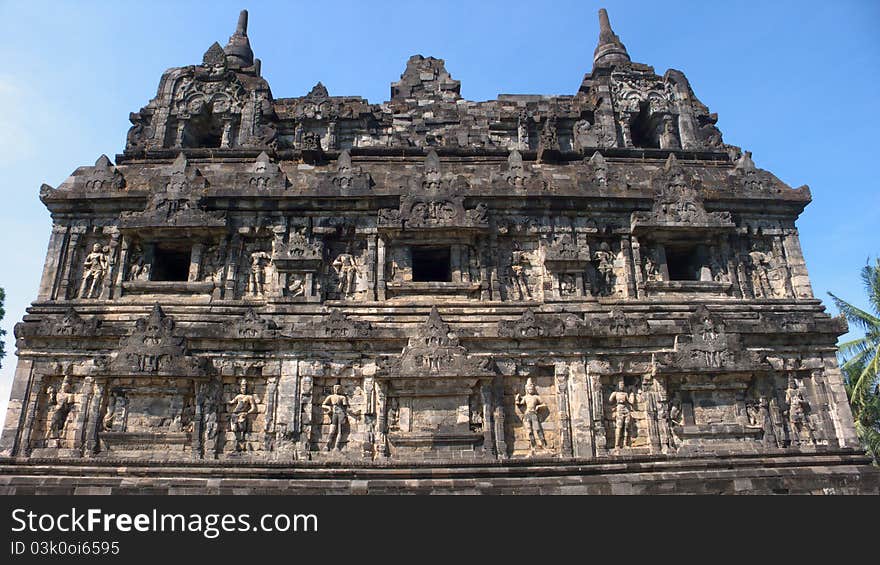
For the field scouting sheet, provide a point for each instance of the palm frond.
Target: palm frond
(871, 278)
(856, 315)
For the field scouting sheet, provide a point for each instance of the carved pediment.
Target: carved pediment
(708, 346)
(177, 201)
(297, 252)
(69, 324)
(615, 323)
(264, 174)
(678, 203)
(594, 172)
(747, 178)
(338, 326)
(103, 177)
(427, 212)
(517, 176)
(435, 351)
(563, 248)
(349, 179)
(548, 144)
(154, 349)
(209, 86)
(252, 326)
(529, 325)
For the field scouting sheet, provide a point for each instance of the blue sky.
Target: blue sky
(795, 82)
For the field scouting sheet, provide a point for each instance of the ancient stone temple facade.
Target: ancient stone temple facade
(579, 293)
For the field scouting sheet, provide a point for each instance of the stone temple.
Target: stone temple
(587, 293)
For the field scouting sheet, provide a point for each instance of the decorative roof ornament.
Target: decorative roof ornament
(318, 91)
(239, 47)
(610, 50)
(214, 56)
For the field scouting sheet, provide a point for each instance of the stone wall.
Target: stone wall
(583, 278)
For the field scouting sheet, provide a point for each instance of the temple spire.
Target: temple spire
(238, 50)
(610, 50)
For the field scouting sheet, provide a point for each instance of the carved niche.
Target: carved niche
(435, 350)
(437, 394)
(221, 103)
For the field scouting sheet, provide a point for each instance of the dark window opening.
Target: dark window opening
(431, 264)
(170, 264)
(644, 129)
(203, 131)
(682, 265)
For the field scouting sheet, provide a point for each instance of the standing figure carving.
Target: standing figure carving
(519, 274)
(243, 405)
(257, 280)
(336, 404)
(798, 420)
(346, 269)
(531, 403)
(62, 404)
(94, 269)
(522, 131)
(668, 138)
(652, 267)
(604, 260)
(116, 406)
(622, 401)
(760, 263)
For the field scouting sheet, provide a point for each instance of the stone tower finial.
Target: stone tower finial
(610, 50)
(241, 29)
(239, 47)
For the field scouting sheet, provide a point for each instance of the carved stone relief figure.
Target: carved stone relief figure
(799, 426)
(257, 277)
(211, 399)
(519, 269)
(347, 273)
(243, 405)
(94, 268)
(61, 403)
(652, 266)
(759, 265)
(212, 268)
(522, 131)
(531, 403)
(668, 136)
(114, 417)
(758, 414)
(475, 410)
(584, 136)
(603, 261)
(139, 268)
(336, 404)
(717, 267)
(622, 401)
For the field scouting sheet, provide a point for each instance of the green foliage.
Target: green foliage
(860, 361)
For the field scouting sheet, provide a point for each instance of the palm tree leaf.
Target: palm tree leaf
(871, 278)
(856, 315)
